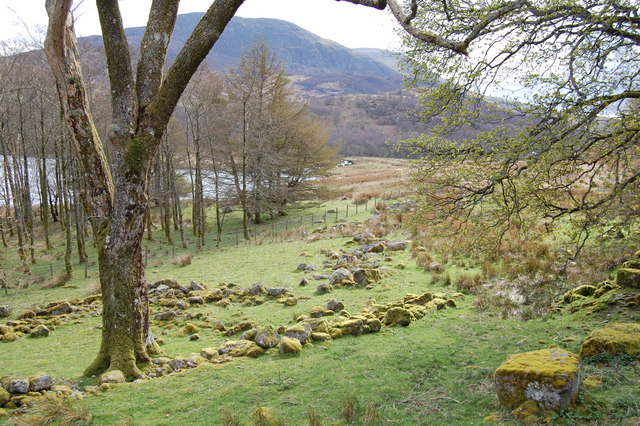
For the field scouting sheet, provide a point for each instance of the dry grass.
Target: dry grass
(57, 281)
(230, 419)
(58, 411)
(265, 416)
(468, 282)
(313, 418)
(182, 260)
(372, 417)
(350, 408)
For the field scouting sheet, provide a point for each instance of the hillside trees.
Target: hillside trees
(279, 147)
(115, 196)
(578, 156)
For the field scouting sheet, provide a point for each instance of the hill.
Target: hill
(317, 65)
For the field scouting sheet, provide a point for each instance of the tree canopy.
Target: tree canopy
(576, 65)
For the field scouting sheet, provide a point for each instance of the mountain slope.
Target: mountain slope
(330, 67)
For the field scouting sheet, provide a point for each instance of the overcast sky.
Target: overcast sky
(348, 24)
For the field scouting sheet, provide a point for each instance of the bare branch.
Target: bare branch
(377, 4)
(155, 41)
(123, 100)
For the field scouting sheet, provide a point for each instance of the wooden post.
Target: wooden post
(347, 210)
(336, 214)
(237, 232)
(86, 266)
(51, 269)
(312, 219)
(286, 225)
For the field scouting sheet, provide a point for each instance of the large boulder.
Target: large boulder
(628, 277)
(396, 245)
(267, 337)
(239, 348)
(334, 305)
(40, 382)
(550, 377)
(300, 331)
(398, 316)
(365, 277)
(342, 276)
(40, 331)
(289, 345)
(618, 338)
(15, 385)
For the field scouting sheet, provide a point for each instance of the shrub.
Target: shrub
(182, 259)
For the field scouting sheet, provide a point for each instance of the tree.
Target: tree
(115, 196)
(577, 152)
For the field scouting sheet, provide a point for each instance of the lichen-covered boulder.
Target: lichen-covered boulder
(578, 293)
(365, 277)
(418, 299)
(398, 316)
(334, 305)
(618, 338)
(267, 337)
(5, 329)
(15, 385)
(396, 245)
(551, 377)
(628, 277)
(239, 348)
(40, 331)
(343, 277)
(60, 308)
(113, 376)
(301, 331)
(6, 311)
(324, 288)
(40, 382)
(9, 337)
(276, 291)
(316, 312)
(289, 345)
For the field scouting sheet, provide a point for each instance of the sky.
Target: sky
(348, 24)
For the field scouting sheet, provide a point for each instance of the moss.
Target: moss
(526, 410)
(398, 316)
(578, 293)
(9, 337)
(4, 396)
(628, 277)
(320, 337)
(539, 372)
(5, 329)
(618, 338)
(289, 345)
(240, 348)
(592, 382)
(316, 312)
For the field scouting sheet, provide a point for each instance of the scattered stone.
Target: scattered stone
(255, 289)
(165, 316)
(324, 288)
(617, 338)
(194, 286)
(60, 308)
(15, 386)
(40, 382)
(196, 300)
(302, 332)
(6, 311)
(366, 277)
(276, 291)
(240, 348)
(289, 345)
(209, 353)
(628, 277)
(40, 331)
(398, 316)
(303, 282)
(364, 237)
(334, 305)
(342, 276)
(316, 312)
(194, 337)
(290, 301)
(396, 245)
(267, 337)
(26, 315)
(113, 376)
(550, 377)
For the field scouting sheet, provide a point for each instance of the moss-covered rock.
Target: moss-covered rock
(240, 348)
(320, 337)
(267, 337)
(551, 377)
(353, 326)
(5, 329)
(26, 315)
(398, 316)
(9, 337)
(418, 299)
(618, 338)
(342, 277)
(366, 277)
(289, 345)
(113, 376)
(578, 293)
(605, 287)
(316, 312)
(300, 331)
(40, 331)
(40, 382)
(4, 396)
(628, 277)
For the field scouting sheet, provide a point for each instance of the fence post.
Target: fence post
(51, 269)
(324, 219)
(336, 214)
(286, 225)
(347, 210)
(237, 232)
(366, 205)
(356, 208)
(312, 218)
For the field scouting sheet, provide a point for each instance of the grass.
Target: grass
(438, 370)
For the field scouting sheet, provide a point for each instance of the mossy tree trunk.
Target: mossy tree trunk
(116, 199)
